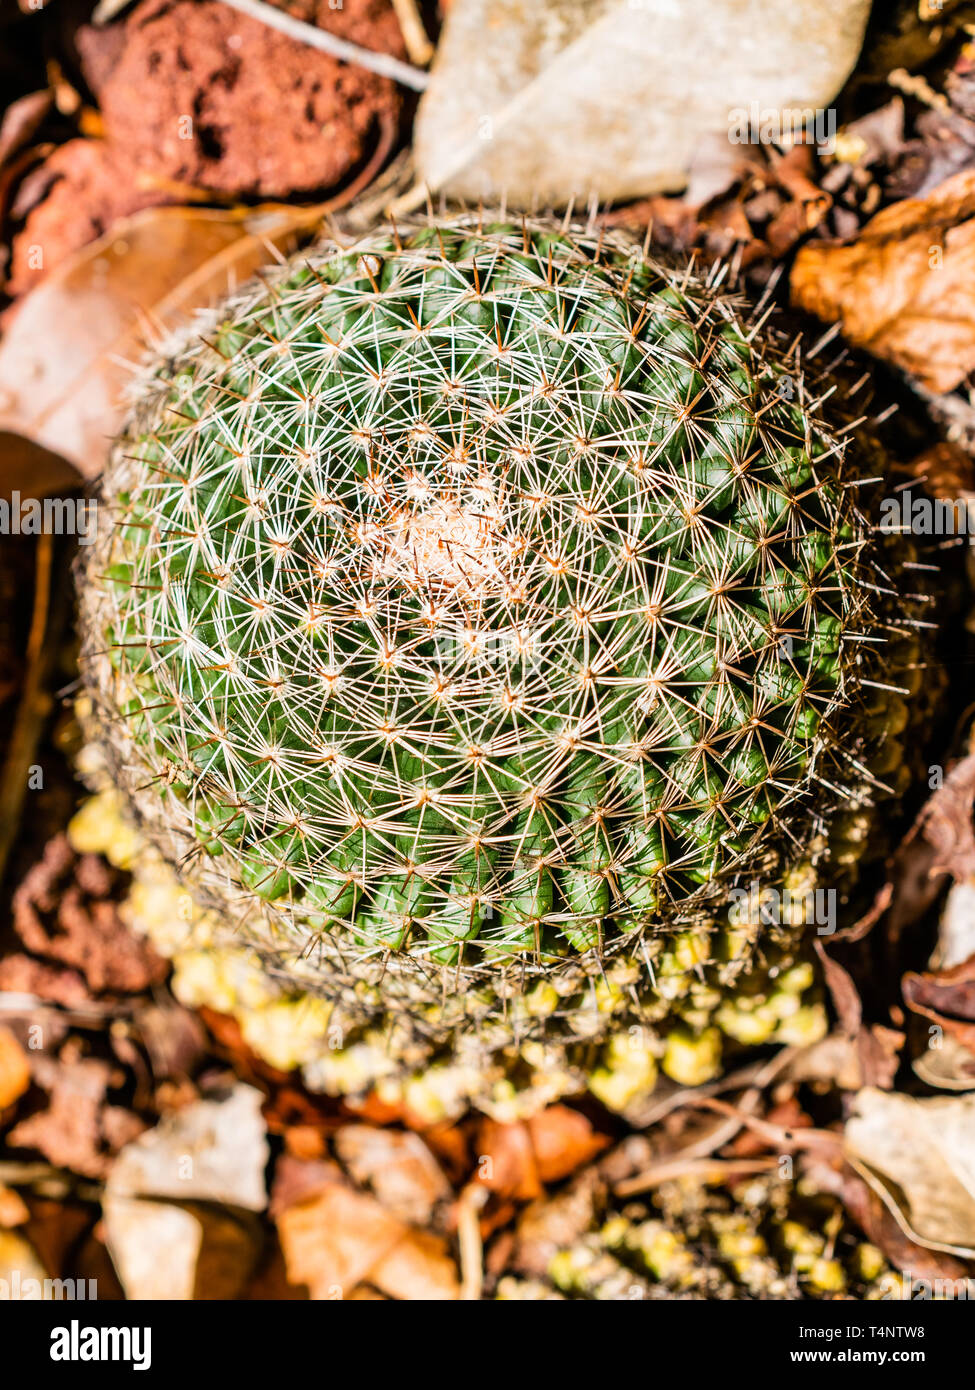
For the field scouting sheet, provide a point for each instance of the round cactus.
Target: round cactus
(488, 594)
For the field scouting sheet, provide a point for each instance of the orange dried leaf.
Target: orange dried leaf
(69, 346)
(14, 1069)
(332, 1242)
(418, 1269)
(905, 289)
(563, 1140)
(506, 1160)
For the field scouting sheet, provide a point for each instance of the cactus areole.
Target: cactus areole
(485, 597)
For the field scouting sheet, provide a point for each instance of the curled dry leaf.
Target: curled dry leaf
(905, 288)
(21, 119)
(872, 1215)
(919, 1157)
(70, 346)
(833, 1061)
(946, 823)
(956, 930)
(947, 998)
(877, 1047)
(940, 845)
(948, 1066)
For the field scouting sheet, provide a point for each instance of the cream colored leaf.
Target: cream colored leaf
(919, 1156)
(956, 931)
(211, 1150)
(398, 1167)
(950, 1066)
(154, 1247)
(559, 99)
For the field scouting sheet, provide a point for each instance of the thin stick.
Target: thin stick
(418, 45)
(469, 1205)
(707, 1169)
(382, 63)
(35, 703)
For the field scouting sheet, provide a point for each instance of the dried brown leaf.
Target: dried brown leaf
(563, 1140)
(173, 1037)
(877, 1047)
(917, 1156)
(21, 119)
(333, 1240)
(947, 997)
(299, 1179)
(905, 289)
(946, 1064)
(419, 1269)
(506, 1161)
(878, 1223)
(64, 351)
(70, 1132)
(546, 1227)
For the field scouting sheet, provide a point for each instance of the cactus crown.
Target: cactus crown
(483, 589)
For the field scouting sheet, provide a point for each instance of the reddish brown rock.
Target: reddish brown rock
(199, 94)
(66, 911)
(70, 200)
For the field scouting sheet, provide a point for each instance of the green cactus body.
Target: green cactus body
(476, 603)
